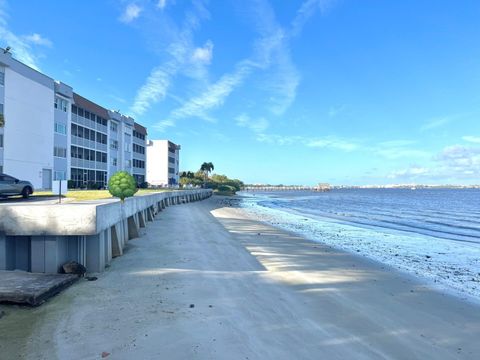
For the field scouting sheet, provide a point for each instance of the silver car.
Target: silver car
(10, 186)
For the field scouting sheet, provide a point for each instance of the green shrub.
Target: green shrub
(226, 189)
(144, 185)
(122, 185)
(70, 184)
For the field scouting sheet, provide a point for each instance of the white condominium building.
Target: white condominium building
(163, 158)
(51, 133)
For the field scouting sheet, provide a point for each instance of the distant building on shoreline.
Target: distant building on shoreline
(163, 160)
(51, 133)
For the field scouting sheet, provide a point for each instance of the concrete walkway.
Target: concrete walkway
(205, 282)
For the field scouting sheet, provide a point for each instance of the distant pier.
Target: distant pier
(322, 187)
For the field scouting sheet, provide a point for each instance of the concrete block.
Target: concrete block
(132, 228)
(3, 252)
(150, 214)
(22, 253)
(95, 248)
(116, 242)
(38, 254)
(141, 219)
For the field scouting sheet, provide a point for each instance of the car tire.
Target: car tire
(26, 192)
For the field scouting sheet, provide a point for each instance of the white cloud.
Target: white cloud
(21, 46)
(436, 123)
(332, 142)
(271, 53)
(328, 142)
(460, 156)
(396, 149)
(160, 78)
(161, 4)
(154, 89)
(163, 125)
(410, 173)
(257, 126)
(214, 96)
(453, 164)
(203, 54)
(38, 39)
(132, 11)
(472, 139)
(307, 10)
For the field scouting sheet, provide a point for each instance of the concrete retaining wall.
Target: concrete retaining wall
(41, 238)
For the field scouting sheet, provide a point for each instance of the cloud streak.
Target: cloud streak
(181, 52)
(22, 46)
(271, 53)
(472, 139)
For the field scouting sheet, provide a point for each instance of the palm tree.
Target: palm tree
(206, 168)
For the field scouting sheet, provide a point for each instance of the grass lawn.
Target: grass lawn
(80, 195)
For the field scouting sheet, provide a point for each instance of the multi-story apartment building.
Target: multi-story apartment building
(27, 137)
(163, 159)
(89, 139)
(139, 160)
(51, 133)
(62, 133)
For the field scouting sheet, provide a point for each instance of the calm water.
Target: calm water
(445, 213)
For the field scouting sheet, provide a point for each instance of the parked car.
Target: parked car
(10, 186)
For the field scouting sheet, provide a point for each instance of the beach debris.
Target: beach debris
(91, 278)
(2, 314)
(210, 306)
(105, 354)
(428, 256)
(192, 306)
(73, 267)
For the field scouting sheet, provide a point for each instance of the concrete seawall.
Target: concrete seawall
(41, 238)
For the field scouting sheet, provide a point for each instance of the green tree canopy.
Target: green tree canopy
(122, 185)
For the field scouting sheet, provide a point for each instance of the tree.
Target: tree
(206, 168)
(122, 185)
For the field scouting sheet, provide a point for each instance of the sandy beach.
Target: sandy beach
(206, 281)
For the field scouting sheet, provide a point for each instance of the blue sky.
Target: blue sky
(293, 92)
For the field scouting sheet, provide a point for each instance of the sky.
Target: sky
(348, 92)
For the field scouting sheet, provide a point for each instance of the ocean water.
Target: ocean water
(431, 233)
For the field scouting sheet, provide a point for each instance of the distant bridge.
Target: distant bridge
(320, 187)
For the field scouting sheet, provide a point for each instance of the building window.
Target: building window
(74, 109)
(61, 128)
(2, 78)
(127, 142)
(138, 135)
(139, 164)
(128, 163)
(114, 161)
(113, 126)
(1, 140)
(138, 149)
(59, 175)
(60, 104)
(60, 152)
(113, 144)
